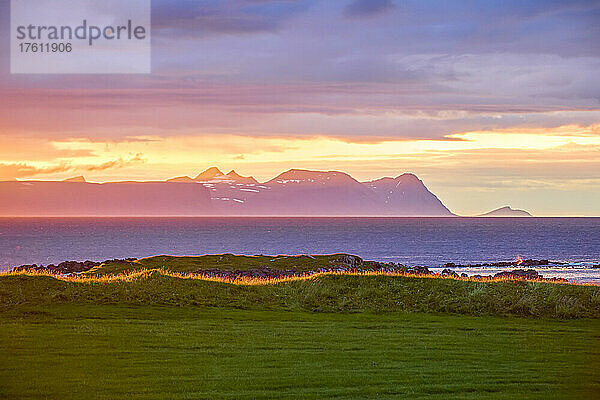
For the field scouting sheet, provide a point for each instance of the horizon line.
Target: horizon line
(294, 216)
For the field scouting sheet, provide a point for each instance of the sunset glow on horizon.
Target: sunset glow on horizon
(481, 109)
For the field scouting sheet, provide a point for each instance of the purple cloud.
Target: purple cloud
(367, 8)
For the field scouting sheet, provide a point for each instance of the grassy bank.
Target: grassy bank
(148, 352)
(226, 262)
(325, 293)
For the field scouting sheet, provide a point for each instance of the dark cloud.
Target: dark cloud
(431, 67)
(367, 8)
(204, 18)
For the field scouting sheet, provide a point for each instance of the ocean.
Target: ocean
(411, 241)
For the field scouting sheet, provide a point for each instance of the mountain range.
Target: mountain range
(212, 192)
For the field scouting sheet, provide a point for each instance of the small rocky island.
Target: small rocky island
(507, 211)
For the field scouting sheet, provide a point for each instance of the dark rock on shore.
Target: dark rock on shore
(419, 270)
(449, 272)
(526, 274)
(349, 260)
(533, 263)
(519, 273)
(71, 267)
(505, 264)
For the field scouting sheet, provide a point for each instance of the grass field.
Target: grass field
(154, 334)
(150, 352)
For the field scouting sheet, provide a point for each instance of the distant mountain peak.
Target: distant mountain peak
(507, 211)
(407, 192)
(309, 176)
(233, 175)
(239, 178)
(79, 178)
(185, 178)
(400, 180)
(408, 177)
(209, 174)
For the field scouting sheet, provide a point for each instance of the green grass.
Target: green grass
(89, 351)
(226, 262)
(332, 294)
(331, 337)
(158, 336)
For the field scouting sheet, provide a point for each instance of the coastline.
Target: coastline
(296, 266)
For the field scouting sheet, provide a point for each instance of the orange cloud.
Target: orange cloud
(26, 170)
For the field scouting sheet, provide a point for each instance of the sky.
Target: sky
(490, 103)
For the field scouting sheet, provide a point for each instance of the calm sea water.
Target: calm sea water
(411, 241)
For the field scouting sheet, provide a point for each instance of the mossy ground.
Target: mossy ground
(227, 262)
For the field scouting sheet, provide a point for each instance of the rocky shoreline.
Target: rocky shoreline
(71, 267)
(505, 264)
(357, 264)
(264, 272)
(344, 263)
